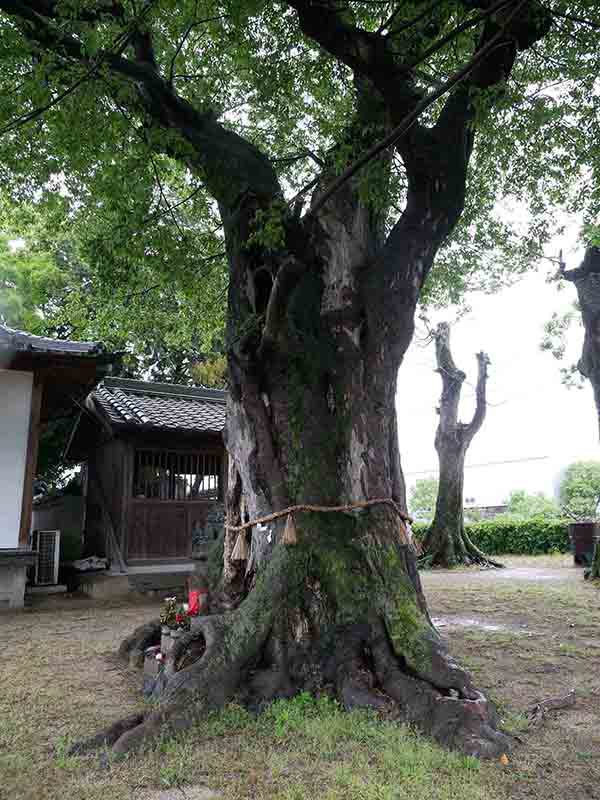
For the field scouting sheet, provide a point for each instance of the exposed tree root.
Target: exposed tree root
(476, 555)
(269, 647)
(132, 648)
(108, 737)
(364, 671)
(454, 713)
(441, 551)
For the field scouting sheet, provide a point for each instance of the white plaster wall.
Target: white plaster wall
(15, 407)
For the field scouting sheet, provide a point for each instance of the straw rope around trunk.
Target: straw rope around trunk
(405, 533)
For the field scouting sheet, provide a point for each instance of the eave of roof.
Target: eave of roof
(16, 341)
(169, 389)
(122, 404)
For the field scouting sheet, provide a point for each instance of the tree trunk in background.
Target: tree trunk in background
(447, 542)
(587, 282)
(586, 278)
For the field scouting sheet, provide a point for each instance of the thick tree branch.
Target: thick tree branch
(487, 52)
(452, 379)
(474, 426)
(574, 18)
(368, 54)
(520, 25)
(589, 265)
(230, 165)
(456, 31)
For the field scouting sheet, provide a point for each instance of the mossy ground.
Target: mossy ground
(60, 683)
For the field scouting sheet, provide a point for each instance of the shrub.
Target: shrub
(422, 498)
(524, 505)
(508, 535)
(580, 489)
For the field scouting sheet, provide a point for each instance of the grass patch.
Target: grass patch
(553, 638)
(306, 748)
(63, 685)
(60, 685)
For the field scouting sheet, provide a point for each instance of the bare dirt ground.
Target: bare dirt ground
(528, 632)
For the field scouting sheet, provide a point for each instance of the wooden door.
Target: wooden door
(163, 529)
(157, 531)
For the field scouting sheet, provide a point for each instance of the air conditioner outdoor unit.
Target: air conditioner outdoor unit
(47, 544)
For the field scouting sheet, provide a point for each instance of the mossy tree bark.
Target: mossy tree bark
(447, 543)
(321, 311)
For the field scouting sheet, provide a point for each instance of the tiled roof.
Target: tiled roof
(161, 406)
(20, 341)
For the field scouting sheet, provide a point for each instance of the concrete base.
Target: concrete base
(160, 584)
(58, 588)
(13, 576)
(151, 579)
(103, 585)
(172, 567)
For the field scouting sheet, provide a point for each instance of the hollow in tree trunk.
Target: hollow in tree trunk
(447, 542)
(586, 278)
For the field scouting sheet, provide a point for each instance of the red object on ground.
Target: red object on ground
(197, 602)
(193, 602)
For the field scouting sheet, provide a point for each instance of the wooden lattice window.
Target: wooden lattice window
(167, 475)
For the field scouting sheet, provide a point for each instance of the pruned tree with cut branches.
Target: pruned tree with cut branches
(333, 150)
(447, 542)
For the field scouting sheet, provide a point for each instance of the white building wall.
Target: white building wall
(15, 408)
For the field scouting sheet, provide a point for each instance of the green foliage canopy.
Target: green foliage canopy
(525, 506)
(423, 495)
(52, 283)
(72, 124)
(580, 489)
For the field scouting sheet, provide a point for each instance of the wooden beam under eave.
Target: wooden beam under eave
(33, 441)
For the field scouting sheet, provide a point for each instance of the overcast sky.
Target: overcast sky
(531, 414)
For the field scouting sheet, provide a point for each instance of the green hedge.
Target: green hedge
(526, 537)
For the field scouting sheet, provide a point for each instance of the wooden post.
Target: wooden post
(33, 440)
(112, 533)
(127, 467)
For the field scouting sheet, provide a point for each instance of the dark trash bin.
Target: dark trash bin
(583, 536)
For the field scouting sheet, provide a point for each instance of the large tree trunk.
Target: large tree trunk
(447, 543)
(321, 312)
(586, 278)
(311, 419)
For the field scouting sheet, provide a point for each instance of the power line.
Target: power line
(486, 464)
